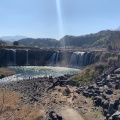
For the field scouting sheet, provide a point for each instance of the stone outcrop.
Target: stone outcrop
(106, 93)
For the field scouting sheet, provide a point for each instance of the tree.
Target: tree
(15, 43)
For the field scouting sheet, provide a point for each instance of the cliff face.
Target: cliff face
(24, 57)
(33, 57)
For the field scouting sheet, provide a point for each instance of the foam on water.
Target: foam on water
(24, 72)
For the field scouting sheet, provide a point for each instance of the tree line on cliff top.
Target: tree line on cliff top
(101, 39)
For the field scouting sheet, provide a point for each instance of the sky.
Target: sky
(57, 18)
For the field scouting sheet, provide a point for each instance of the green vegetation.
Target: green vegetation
(112, 60)
(104, 39)
(89, 73)
(101, 39)
(5, 72)
(97, 113)
(39, 42)
(15, 43)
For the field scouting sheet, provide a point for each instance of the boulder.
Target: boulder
(116, 104)
(54, 116)
(116, 115)
(109, 91)
(117, 71)
(111, 109)
(85, 93)
(105, 112)
(66, 92)
(72, 83)
(117, 86)
(105, 104)
(97, 101)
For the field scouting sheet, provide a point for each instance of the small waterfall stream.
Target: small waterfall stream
(27, 63)
(77, 59)
(54, 58)
(14, 57)
(80, 58)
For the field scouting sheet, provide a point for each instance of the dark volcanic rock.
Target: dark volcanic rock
(54, 116)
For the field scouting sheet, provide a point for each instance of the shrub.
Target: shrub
(15, 43)
(89, 73)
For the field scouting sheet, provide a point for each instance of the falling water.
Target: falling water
(14, 57)
(91, 59)
(27, 57)
(54, 58)
(74, 59)
(7, 56)
(80, 59)
(77, 59)
(35, 58)
(57, 56)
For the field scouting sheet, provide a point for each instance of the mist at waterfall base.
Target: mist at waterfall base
(24, 72)
(77, 59)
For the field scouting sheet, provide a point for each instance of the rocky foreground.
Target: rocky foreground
(62, 99)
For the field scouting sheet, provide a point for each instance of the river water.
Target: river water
(24, 72)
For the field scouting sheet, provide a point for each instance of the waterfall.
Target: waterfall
(80, 59)
(91, 59)
(73, 59)
(14, 57)
(7, 56)
(54, 58)
(57, 56)
(27, 57)
(77, 59)
(87, 58)
(35, 58)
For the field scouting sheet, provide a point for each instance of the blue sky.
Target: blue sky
(56, 18)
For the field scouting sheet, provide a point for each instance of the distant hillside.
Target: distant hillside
(12, 38)
(97, 40)
(118, 28)
(40, 42)
(100, 39)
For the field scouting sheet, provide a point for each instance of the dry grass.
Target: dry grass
(90, 72)
(12, 109)
(28, 112)
(6, 72)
